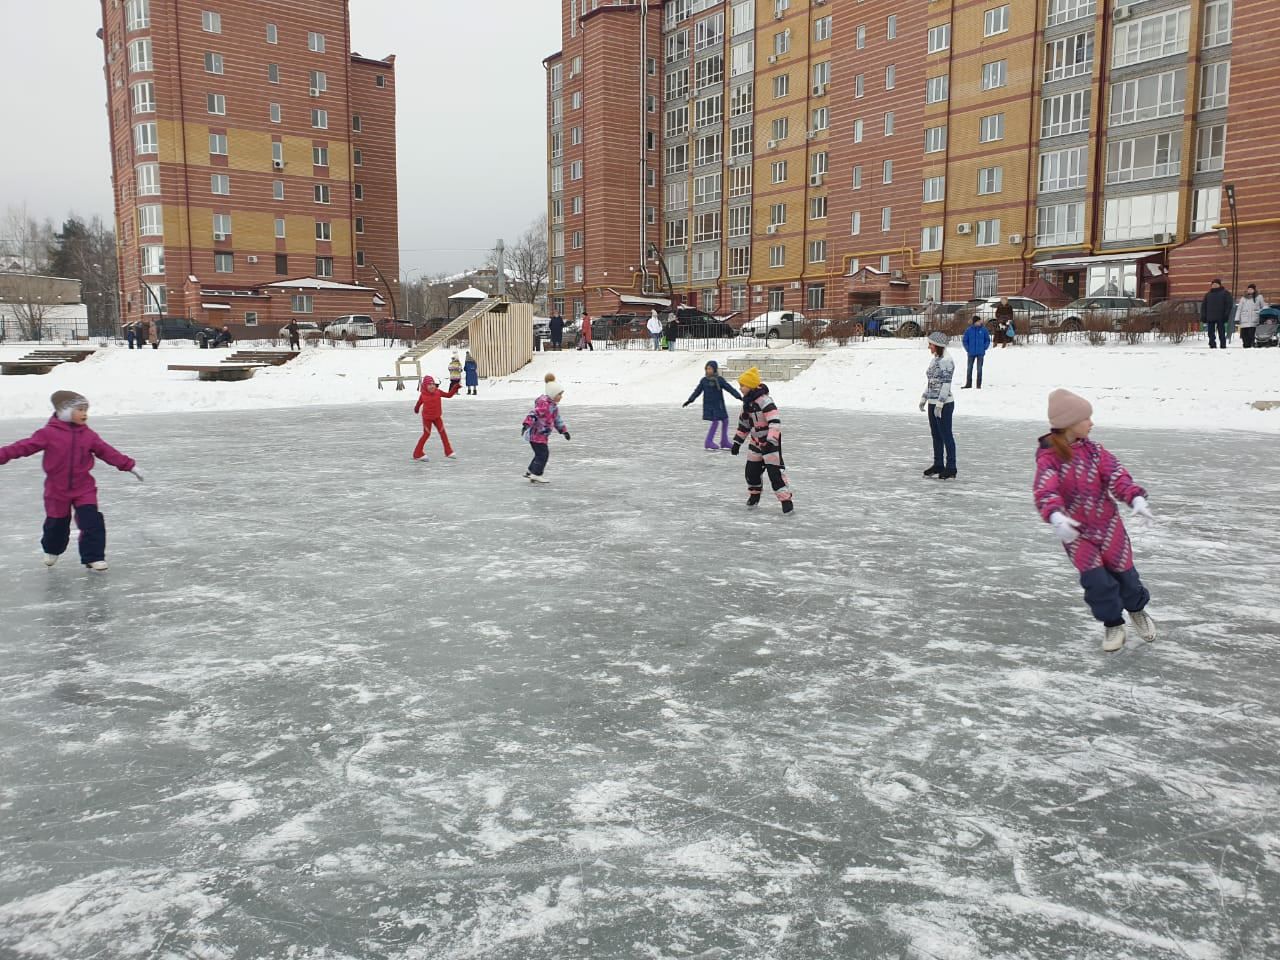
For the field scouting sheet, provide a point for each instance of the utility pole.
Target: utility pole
(502, 269)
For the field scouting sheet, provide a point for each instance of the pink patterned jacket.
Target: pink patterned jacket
(1086, 490)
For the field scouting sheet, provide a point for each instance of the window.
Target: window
(991, 128)
(303, 303)
(211, 22)
(575, 136)
(379, 81)
(1060, 224)
(935, 139)
(777, 256)
(820, 119)
(273, 73)
(324, 267)
(1149, 97)
(146, 138)
(217, 104)
(1068, 113)
(781, 86)
(778, 171)
(990, 180)
(739, 262)
(137, 15)
(556, 114)
(708, 149)
(1217, 23)
(888, 123)
(273, 35)
(320, 119)
(677, 45)
(706, 264)
(1068, 57)
(859, 86)
(676, 84)
(576, 206)
(213, 63)
(1140, 217)
(322, 192)
(708, 189)
(151, 220)
(152, 261)
(737, 294)
(891, 27)
(935, 89)
(218, 144)
(890, 76)
(741, 100)
(940, 38)
(1143, 158)
(931, 239)
(677, 232)
(857, 131)
(1064, 11)
(282, 264)
(144, 97)
(1207, 209)
(777, 214)
(708, 32)
(251, 318)
(677, 121)
(821, 77)
(1064, 169)
(739, 222)
(324, 230)
(931, 287)
(887, 171)
(677, 266)
(320, 156)
(280, 228)
(860, 37)
(575, 101)
(818, 208)
(988, 233)
(360, 229)
(740, 181)
(220, 184)
(277, 189)
(935, 189)
(781, 42)
(222, 226)
(995, 74)
(155, 299)
(1211, 147)
(677, 160)
(706, 227)
(995, 20)
(275, 113)
(148, 179)
(575, 170)
(744, 58)
(855, 223)
(857, 177)
(708, 72)
(817, 254)
(1149, 38)
(1215, 78)
(140, 56)
(223, 263)
(986, 283)
(708, 111)
(319, 83)
(822, 28)
(277, 154)
(886, 219)
(315, 42)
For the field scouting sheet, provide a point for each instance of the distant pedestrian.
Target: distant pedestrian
(1248, 314)
(455, 369)
(130, 334)
(1077, 482)
(1004, 322)
(153, 334)
(654, 327)
(295, 338)
(712, 388)
(584, 338)
(556, 330)
(472, 372)
(941, 405)
(672, 331)
(538, 426)
(760, 428)
(976, 343)
(1216, 311)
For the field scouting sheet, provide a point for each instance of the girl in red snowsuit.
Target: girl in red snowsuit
(429, 404)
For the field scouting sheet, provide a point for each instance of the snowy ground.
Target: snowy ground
(329, 703)
(1144, 385)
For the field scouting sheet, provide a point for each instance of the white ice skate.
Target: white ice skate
(422, 459)
(534, 478)
(1114, 639)
(50, 559)
(451, 456)
(1143, 623)
(98, 566)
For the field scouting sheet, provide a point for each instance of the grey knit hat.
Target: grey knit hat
(64, 401)
(939, 339)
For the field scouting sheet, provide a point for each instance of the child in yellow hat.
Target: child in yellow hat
(760, 426)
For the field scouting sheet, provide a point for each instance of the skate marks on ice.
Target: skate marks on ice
(352, 706)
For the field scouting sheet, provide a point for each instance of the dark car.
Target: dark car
(184, 328)
(884, 321)
(616, 326)
(1171, 315)
(695, 324)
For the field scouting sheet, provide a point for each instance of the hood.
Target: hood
(755, 394)
(715, 367)
(64, 425)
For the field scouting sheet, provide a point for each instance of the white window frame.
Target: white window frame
(1211, 148)
(1064, 11)
(220, 184)
(324, 231)
(150, 220)
(224, 262)
(1065, 114)
(1068, 57)
(315, 42)
(935, 189)
(995, 20)
(221, 226)
(937, 89)
(137, 15)
(1054, 224)
(216, 104)
(146, 138)
(1215, 85)
(151, 260)
(931, 239)
(987, 234)
(140, 56)
(990, 181)
(1151, 38)
(214, 63)
(1064, 170)
(210, 21)
(142, 96)
(991, 128)
(935, 139)
(147, 179)
(1140, 216)
(1144, 158)
(939, 38)
(995, 74)
(1148, 97)
(1216, 19)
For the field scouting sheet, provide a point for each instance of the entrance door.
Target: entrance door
(1071, 285)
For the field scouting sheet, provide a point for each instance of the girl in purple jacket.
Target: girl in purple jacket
(538, 426)
(1077, 484)
(69, 448)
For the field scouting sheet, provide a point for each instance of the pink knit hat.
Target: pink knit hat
(1066, 409)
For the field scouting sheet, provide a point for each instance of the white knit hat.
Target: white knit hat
(553, 389)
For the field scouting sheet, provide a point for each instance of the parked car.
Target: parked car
(886, 321)
(695, 324)
(355, 325)
(923, 318)
(1028, 315)
(184, 328)
(307, 330)
(1071, 318)
(615, 326)
(775, 324)
(1169, 314)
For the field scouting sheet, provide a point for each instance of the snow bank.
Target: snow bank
(1156, 385)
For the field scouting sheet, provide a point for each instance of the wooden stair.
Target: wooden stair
(409, 363)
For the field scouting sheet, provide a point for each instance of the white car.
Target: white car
(356, 325)
(775, 324)
(1027, 313)
(306, 331)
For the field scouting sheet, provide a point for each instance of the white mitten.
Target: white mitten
(1068, 530)
(1142, 509)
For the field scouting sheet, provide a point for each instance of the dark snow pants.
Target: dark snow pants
(93, 534)
(541, 453)
(1110, 594)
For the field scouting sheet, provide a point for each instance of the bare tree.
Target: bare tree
(25, 241)
(29, 306)
(527, 264)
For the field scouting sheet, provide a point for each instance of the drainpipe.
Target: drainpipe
(644, 123)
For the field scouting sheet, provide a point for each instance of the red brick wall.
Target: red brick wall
(376, 141)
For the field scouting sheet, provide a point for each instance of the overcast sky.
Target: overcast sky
(470, 99)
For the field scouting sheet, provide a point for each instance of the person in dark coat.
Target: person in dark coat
(711, 388)
(1216, 311)
(1004, 322)
(472, 372)
(557, 331)
(295, 339)
(976, 343)
(672, 331)
(131, 334)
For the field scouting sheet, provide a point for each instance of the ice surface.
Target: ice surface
(332, 703)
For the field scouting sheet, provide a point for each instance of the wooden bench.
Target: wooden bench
(64, 356)
(14, 368)
(274, 358)
(218, 371)
(398, 380)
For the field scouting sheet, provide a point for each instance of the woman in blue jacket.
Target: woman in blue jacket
(977, 341)
(710, 389)
(472, 373)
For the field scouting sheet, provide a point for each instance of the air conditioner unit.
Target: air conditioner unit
(222, 236)
(277, 164)
(251, 259)
(777, 15)
(964, 228)
(315, 91)
(771, 228)
(773, 144)
(773, 58)
(811, 134)
(1162, 238)
(816, 180)
(899, 275)
(1123, 12)
(757, 289)
(1015, 238)
(819, 89)
(795, 284)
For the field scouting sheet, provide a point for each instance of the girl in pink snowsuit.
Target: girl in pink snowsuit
(1077, 483)
(69, 449)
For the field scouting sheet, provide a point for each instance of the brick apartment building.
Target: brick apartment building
(253, 162)
(826, 154)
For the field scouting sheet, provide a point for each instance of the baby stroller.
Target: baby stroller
(1268, 324)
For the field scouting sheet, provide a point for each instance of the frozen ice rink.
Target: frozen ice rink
(330, 703)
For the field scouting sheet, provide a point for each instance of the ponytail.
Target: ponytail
(1061, 445)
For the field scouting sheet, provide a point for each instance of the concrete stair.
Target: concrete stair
(775, 365)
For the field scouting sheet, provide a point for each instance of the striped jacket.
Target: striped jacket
(938, 388)
(760, 426)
